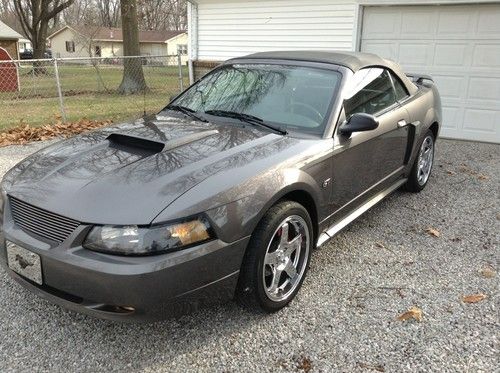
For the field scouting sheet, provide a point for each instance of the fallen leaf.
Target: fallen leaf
(474, 298)
(304, 364)
(483, 177)
(412, 313)
(380, 245)
(465, 169)
(378, 368)
(433, 232)
(451, 173)
(487, 272)
(23, 133)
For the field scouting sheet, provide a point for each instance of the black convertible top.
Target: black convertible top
(352, 60)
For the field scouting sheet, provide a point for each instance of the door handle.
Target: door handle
(402, 123)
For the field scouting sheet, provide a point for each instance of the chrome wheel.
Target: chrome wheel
(286, 258)
(425, 160)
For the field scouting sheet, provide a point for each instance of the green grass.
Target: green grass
(85, 95)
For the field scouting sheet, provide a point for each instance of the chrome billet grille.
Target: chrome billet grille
(42, 223)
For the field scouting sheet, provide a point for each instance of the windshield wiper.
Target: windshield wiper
(186, 111)
(251, 119)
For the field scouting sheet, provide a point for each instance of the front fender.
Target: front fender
(235, 211)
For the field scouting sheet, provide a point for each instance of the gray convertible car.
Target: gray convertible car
(222, 194)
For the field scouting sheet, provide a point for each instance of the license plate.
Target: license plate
(24, 262)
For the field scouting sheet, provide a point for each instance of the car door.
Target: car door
(367, 162)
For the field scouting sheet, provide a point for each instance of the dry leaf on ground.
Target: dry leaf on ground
(487, 272)
(412, 313)
(474, 298)
(24, 133)
(433, 232)
(378, 368)
(451, 173)
(483, 177)
(304, 364)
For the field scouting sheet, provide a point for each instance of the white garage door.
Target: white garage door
(459, 46)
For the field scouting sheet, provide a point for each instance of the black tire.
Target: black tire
(251, 290)
(414, 183)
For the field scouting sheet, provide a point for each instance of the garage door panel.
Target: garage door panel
(481, 120)
(450, 87)
(414, 54)
(486, 55)
(450, 54)
(454, 22)
(459, 46)
(451, 115)
(417, 25)
(489, 23)
(380, 24)
(384, 49)
(484, 89)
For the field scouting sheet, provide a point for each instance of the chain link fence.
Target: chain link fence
(38, 92)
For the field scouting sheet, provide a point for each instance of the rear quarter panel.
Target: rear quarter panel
(424, 109)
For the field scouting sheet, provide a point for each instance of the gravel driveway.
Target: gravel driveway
(344, 318)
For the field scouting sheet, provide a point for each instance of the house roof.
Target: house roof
(116, 34)
(7, 33)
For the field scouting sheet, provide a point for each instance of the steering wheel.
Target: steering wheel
(312, 112)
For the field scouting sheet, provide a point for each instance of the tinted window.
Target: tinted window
(293, 97)
(401, 92)
(370, 91)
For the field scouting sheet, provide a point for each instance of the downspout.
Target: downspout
(192, 36)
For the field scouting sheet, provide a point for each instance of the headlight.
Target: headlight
(134, 240)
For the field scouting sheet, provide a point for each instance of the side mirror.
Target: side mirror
(358, 122)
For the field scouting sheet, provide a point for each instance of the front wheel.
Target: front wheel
(277, 258)
(421, 171)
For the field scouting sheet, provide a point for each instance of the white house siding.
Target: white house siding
(58, 44)
(229, 29)
(173, 44)
(153, 49)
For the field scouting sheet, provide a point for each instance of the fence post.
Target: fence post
(181, 78)
(59, 91)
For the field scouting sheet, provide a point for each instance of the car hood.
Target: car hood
(127, 174)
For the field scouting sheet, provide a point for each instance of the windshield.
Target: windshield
(290, 97)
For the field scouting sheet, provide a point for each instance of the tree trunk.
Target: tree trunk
(39, 47)
(34, 16)
(133, 76)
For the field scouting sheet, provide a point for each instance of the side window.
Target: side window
(370, 92)
(401, 92)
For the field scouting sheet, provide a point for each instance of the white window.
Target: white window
(182, 49)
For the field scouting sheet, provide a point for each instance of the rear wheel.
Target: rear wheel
(277, 258)
(422, 168)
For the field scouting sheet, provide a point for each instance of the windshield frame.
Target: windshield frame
(330, 115)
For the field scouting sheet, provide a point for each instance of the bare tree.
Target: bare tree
(108, 12)
(9, 16)
(35, 16)
(133, 76)
(82, 12)
(162, 14)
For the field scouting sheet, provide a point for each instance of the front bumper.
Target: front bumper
(130, 288)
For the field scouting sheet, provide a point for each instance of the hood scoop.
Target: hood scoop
(143, 146)
(134, 145)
